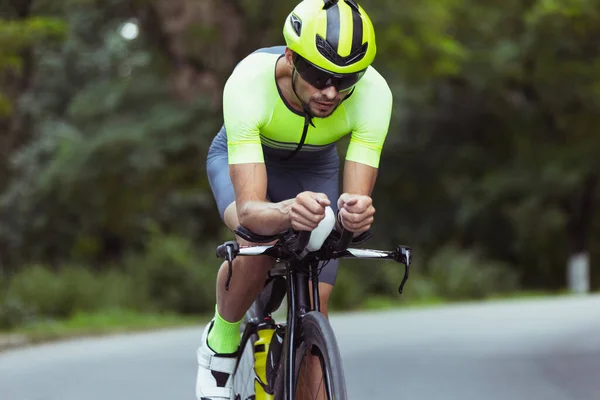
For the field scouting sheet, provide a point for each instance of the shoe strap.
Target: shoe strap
(215, 362)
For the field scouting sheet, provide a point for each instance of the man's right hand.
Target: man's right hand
(308, 210)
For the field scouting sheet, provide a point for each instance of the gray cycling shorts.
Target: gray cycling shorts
(315, 170)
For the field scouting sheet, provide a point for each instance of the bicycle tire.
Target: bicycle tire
(316, 331)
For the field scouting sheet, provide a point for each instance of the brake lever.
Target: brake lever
(230, 271)
(228, 251)
(403, 256)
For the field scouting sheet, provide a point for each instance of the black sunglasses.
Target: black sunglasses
(320, 79)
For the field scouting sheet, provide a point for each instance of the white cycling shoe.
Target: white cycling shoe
(214, 381)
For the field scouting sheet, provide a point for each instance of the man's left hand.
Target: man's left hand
(356, 212)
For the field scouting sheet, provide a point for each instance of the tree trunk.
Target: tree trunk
(200, 38)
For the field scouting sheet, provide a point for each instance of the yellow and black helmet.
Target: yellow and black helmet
(336, 36)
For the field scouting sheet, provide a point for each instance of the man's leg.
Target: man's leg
(249, 274)
(220, 339)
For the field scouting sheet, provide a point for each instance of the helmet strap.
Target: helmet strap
(307, 121)
(302, 103)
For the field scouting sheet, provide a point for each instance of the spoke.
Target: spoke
(305, 388)
(244, 378)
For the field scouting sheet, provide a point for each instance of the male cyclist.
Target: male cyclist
(274, 164)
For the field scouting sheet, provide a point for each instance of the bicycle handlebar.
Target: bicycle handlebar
(291, 246)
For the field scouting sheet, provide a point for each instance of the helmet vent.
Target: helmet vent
(329, 52)
(296, 24)
(329, 3)
(353, 4)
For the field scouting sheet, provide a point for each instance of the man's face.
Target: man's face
(320, 92)
(321, 103)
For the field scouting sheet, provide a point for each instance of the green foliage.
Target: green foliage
(171, 277)
(500, 155)
(461, 275)
(100, 322)
(17, 36)
(490, 165)
(349, 291)
(449, 274)
(113, 152)
(56, 294)
(13, 312)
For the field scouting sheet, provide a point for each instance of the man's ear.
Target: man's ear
(289, 55)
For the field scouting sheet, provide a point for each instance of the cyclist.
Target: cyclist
(274, 164)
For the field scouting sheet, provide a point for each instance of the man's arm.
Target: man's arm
(369, 114)
(359, 178)
(245, 110)
(304, 212)
(254, 212)
(355, 204)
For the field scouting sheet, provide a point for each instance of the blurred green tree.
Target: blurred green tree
(491, 149)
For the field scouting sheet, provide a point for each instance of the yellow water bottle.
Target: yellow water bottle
(261, 350)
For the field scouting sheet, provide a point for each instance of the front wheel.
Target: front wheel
(318, 371)
(243, 376)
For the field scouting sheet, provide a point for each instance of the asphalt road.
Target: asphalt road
(546, 350)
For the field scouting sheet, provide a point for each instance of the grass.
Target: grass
(100, 323)
(389, 303)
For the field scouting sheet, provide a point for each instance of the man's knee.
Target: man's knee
(230, 216)
(231, 220)
(325, 290)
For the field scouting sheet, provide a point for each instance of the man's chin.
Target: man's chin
(321, 111)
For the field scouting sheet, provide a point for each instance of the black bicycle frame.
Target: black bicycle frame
(297, 282)
(298, 305)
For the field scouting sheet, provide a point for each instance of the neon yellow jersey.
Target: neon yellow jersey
(256, 114)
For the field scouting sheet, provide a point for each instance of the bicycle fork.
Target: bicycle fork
(298, 305)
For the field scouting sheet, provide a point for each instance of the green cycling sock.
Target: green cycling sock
(224, 336)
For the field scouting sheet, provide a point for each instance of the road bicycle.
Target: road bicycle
(270, 361)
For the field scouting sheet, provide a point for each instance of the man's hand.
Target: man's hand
(356, 212)
(308, 210)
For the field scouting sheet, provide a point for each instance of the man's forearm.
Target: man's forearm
(266, 218)
(359, 179)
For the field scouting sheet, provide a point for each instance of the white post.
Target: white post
(578, 273)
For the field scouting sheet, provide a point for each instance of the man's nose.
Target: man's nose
(330, 92)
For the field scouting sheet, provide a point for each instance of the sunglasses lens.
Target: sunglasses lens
(321, 79)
